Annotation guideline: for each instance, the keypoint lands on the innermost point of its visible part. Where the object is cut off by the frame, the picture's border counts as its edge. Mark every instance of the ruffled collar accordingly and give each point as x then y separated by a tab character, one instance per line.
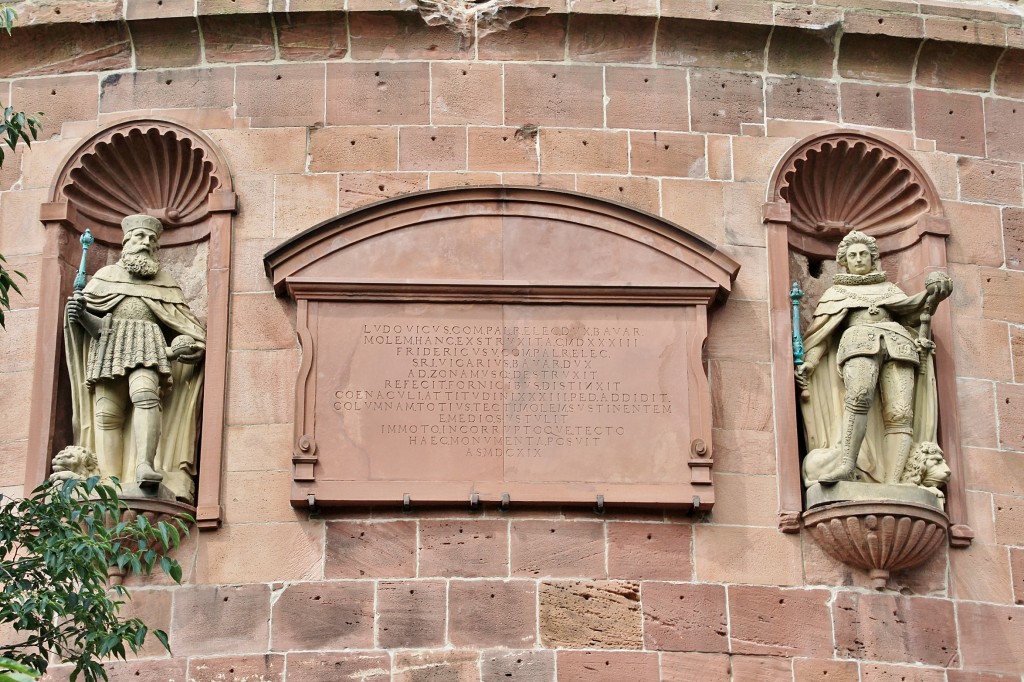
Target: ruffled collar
845	278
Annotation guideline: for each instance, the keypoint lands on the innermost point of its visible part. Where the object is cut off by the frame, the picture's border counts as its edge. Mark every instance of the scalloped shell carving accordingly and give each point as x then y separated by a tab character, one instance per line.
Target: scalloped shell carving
150	171
878	537
841	185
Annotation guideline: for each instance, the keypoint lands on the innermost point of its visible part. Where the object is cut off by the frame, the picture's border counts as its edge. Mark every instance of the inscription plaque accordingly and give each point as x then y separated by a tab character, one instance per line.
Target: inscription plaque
437	389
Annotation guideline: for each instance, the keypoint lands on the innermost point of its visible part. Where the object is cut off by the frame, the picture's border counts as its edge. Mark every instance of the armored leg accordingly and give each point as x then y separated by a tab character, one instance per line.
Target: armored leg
144	390
860	376
109	398
897	388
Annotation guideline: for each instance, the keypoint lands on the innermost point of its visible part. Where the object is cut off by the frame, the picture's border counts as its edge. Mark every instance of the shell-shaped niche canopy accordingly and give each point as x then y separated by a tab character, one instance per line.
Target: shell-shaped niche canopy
149	168
846	184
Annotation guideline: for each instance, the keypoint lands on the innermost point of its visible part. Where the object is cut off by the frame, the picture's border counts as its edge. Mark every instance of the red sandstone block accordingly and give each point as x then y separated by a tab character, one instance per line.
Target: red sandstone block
354	148
1009	78
747	555
263	667
608	38
970	676
58	99
981	572
440	179
330	615
64	48
201	88
685	667
741	11
411	613
432	148
486	613
230	6
684	42
259	91
1013	237
1010	400
465	549
684	617
990	181
650	551
214	620
238	38
311	36
403	35
263	447
982	349
606	7
877	58
169	670
821	670
864	624
607	666
302	201
250	251
583	614
1017	568
667	154
552	180
502	149
257	390
955	121
571	96
533	39
874	672
638	192
359	189
773	622
959	30
583	151
1001	290
804	99
795	51
733	382
695	205
993	471
158	9
447	665
163	43
562	549
1004	119
977	238
466	93
371	550
897	25
876	105
378	94
976	401
956	65
501	664
813	18
332	666
761	668
721	101
991	637
645	99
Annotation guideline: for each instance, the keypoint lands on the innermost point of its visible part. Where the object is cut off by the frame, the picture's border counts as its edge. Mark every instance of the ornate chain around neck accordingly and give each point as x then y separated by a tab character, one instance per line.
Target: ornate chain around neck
853	280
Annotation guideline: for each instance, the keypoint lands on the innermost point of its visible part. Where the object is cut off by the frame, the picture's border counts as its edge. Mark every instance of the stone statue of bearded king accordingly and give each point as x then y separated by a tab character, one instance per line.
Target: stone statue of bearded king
868	373
134	351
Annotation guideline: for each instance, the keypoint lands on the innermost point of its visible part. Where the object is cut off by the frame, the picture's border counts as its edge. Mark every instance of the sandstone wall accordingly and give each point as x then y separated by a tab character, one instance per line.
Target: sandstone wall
681	108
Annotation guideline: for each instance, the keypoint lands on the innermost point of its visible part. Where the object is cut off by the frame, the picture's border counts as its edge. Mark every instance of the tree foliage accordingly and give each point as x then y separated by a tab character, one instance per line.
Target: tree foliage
55	550
15	126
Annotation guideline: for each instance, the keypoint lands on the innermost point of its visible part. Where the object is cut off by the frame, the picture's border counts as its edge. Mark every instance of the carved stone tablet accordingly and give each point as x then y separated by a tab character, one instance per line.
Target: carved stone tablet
577	379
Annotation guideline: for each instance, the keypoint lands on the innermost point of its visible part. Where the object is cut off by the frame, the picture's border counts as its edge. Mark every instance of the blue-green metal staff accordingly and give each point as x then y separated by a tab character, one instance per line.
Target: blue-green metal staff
87	240
796	294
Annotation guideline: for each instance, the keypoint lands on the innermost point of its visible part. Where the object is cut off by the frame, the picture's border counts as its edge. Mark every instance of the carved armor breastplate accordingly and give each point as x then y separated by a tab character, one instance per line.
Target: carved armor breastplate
869	339
132	308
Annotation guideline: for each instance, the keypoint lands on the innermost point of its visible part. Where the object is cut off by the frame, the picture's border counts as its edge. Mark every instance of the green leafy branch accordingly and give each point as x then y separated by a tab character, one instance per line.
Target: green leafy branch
56	547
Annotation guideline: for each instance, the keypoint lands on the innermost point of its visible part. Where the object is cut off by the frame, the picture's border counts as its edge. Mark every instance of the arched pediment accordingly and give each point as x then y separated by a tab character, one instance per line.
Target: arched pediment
511	235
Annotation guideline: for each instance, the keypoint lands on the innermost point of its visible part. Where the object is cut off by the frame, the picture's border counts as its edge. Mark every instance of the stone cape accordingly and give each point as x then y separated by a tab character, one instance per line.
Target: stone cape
822	411
182	392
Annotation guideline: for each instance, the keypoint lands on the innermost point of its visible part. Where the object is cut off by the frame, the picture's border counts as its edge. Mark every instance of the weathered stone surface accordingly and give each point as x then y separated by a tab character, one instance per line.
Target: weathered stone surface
865	625
572	549
981	573
248	553
371	550
412	613
329	615
721	101
486	613
799	52
221	620
684	617
331	666
65	48
602	614
650	551
463	548
771	622
646	98
820	670
309	36
1009	519
683	667
733	554
423	666
607	666
991	637
738	47
499	665
1001	290
265	667
618	39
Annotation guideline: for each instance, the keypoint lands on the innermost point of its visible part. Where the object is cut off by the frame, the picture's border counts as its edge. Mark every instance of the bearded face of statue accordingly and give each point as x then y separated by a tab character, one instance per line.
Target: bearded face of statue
138	255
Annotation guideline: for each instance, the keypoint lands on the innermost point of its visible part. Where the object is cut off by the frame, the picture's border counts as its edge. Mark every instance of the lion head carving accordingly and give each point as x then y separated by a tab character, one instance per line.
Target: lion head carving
926	467
74	461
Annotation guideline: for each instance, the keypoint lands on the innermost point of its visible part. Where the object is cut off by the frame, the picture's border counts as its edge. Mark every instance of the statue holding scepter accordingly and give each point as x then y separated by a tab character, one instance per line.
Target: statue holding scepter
134	350
869	373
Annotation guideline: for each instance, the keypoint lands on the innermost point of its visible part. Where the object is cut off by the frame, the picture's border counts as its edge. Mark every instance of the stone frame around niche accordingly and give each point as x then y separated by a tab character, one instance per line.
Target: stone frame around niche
182	179
315	269
811	205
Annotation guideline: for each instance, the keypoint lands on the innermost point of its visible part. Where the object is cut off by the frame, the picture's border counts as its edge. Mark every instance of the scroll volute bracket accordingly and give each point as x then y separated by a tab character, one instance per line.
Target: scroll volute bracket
304	458
700	462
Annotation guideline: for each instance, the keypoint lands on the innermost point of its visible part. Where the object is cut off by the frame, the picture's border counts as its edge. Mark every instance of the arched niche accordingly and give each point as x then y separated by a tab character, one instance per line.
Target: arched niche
509	272
160	168
826	186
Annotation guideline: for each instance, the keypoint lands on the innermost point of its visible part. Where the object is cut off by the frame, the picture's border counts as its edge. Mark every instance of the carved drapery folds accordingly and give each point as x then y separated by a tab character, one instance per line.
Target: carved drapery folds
827	186
161	169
